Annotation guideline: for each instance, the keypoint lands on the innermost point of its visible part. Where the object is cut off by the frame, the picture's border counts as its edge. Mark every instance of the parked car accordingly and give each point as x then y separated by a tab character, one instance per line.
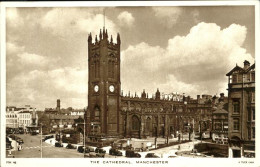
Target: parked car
100	150
57	144
9	131
82	148
91	149
48	137
70	146
132	154
151	155
113	151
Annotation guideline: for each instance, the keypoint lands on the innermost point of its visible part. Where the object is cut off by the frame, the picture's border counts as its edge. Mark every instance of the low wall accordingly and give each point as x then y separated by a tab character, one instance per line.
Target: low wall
220	150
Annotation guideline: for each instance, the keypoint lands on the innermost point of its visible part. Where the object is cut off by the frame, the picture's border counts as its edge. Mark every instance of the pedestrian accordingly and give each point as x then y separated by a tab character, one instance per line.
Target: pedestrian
19	147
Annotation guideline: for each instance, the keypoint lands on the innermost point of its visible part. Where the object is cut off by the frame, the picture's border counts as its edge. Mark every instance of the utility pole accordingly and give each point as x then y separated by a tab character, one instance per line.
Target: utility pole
41	140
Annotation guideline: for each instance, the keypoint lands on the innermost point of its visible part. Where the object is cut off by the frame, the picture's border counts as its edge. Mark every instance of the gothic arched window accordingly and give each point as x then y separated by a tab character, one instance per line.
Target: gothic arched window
98	69
110	68
97	113
135	123
148	124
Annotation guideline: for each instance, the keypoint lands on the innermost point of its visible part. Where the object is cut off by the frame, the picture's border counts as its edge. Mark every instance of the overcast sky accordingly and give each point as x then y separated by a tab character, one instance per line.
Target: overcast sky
176	49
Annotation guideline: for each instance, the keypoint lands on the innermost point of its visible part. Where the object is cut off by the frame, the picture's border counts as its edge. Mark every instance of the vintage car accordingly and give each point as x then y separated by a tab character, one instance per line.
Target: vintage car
82	148
58	144
116	152
100	150
132	154
151	155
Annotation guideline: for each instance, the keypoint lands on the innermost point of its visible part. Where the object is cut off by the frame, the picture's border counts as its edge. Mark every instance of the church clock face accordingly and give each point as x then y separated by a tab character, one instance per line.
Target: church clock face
96	88
111	88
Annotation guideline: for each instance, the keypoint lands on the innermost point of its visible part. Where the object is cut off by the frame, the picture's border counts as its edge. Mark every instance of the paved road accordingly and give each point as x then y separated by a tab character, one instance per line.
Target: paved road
31	149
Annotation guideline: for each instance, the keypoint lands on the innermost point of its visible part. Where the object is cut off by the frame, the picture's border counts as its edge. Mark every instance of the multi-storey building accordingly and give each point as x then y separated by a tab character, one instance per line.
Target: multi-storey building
241	107
110	113
11	117
59	119
220	121
24	119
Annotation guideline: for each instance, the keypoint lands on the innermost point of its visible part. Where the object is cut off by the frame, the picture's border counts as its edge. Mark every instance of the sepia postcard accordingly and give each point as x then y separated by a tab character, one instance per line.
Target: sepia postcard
129	83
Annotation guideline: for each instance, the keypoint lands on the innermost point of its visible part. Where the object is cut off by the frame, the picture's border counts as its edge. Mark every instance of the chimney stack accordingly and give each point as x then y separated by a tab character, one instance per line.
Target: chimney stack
221	97
58	105
246	64
198	97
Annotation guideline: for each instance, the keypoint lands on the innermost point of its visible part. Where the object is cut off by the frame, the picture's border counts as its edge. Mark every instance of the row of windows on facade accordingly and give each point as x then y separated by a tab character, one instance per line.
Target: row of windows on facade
11	121
236	102
251	113
218	125
15	116
148	124
174	109
20	121
97	118
25	122
238	78
236	125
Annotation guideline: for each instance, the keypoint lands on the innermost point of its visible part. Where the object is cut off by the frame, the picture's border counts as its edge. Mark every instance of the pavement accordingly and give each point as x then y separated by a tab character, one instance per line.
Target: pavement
171	150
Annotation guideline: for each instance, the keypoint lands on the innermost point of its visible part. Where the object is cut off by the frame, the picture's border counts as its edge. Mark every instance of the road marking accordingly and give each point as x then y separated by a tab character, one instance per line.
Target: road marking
36	147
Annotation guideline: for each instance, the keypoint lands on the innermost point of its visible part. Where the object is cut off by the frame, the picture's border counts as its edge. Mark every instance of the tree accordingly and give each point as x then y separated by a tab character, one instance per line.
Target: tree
45	122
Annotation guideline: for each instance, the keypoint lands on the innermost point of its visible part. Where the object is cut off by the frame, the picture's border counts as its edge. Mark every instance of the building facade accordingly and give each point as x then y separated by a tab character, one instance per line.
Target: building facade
20	117
220	121
25	119
11	117
112	114
59	119
241	107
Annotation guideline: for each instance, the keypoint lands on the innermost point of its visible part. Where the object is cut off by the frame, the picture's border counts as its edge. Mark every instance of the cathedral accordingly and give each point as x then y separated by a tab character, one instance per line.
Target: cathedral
110	113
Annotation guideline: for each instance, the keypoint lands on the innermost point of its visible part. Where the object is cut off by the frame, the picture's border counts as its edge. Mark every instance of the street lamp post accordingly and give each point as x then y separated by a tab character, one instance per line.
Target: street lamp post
200	132
84	138
92	124
181	129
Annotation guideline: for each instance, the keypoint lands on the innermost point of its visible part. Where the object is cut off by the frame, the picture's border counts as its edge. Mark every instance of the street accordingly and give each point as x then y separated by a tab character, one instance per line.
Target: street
32	149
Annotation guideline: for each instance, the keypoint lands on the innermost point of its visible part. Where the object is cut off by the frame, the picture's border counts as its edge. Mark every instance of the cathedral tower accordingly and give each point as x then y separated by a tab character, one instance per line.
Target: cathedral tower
104	85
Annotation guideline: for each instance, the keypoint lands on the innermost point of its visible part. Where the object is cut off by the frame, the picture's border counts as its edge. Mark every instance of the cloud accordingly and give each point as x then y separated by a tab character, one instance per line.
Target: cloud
41	88
168	15
193	64
126	19
13	18
67	22
28	58
12	48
